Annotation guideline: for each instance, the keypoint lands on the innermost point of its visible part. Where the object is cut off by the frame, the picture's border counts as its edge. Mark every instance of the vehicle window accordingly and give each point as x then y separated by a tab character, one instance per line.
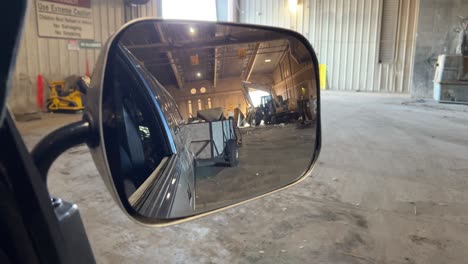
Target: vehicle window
168	105
142	143
177	113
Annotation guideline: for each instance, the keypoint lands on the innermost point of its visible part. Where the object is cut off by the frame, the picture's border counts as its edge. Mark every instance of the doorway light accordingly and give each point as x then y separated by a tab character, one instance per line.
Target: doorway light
256	96
292	5
192	10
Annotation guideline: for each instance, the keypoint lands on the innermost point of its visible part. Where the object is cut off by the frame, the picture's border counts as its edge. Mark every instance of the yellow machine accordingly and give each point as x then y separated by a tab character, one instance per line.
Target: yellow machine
64	97
273	109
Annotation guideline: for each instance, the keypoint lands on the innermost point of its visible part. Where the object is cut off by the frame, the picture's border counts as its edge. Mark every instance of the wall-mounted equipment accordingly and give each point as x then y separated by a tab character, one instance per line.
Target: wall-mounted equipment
451	79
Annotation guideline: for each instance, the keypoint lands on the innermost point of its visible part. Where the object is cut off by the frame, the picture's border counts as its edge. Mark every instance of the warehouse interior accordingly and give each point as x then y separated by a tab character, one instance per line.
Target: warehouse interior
389	185
213	76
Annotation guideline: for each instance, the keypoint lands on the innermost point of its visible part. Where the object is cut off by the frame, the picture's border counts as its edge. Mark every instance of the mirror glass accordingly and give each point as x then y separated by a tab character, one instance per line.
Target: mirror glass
198	116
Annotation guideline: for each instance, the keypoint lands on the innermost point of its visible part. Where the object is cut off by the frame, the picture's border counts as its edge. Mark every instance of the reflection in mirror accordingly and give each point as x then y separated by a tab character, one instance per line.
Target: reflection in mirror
207	115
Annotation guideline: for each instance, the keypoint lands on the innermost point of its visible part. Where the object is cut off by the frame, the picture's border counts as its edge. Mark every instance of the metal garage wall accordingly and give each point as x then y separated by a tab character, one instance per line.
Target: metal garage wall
50	56
345	34
396	76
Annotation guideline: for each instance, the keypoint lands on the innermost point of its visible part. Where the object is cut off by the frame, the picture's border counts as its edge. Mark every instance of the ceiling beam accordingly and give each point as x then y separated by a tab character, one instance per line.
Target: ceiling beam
177	74
215	74
220	41
250	64
220	59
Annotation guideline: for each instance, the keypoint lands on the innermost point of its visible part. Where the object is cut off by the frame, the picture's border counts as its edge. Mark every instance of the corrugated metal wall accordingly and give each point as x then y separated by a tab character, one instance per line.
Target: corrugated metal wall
345	35
51	57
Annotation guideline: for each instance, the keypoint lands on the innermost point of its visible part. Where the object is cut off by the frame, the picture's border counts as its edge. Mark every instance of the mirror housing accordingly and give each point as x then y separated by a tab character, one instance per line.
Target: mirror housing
154	162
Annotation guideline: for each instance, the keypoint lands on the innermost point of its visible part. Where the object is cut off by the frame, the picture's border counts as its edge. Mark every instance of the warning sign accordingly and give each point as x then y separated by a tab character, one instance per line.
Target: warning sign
73	45
72	19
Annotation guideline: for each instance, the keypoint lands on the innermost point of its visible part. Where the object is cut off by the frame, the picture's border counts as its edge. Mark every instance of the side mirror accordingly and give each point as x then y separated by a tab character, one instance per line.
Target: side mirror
154	74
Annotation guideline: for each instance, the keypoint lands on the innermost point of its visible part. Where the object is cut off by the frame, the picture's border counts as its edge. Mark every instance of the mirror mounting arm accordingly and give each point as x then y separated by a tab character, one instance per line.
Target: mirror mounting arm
57	142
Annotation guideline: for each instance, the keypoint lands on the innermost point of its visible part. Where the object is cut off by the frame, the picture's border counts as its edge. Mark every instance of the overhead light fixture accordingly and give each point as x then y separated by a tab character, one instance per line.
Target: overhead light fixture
192	30
198	74
268	60
292	6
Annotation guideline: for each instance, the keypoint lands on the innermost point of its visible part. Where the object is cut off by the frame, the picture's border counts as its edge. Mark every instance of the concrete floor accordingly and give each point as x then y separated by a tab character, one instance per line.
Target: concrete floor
390	187
262	167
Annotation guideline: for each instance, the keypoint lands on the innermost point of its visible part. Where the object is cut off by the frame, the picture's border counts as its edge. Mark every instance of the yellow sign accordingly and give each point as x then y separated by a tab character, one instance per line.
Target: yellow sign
194	59
241	53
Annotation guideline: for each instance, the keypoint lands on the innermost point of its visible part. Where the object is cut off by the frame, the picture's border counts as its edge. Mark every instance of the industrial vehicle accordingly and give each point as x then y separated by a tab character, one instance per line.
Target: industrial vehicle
272	109
135	135
67	95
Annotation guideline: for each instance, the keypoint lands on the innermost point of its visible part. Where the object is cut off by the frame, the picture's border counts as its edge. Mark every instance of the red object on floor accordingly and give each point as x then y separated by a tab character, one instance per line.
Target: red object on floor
40	91
87	69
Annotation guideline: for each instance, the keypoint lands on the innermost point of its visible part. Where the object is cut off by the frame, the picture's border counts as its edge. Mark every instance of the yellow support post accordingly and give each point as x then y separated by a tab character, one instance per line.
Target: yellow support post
323	76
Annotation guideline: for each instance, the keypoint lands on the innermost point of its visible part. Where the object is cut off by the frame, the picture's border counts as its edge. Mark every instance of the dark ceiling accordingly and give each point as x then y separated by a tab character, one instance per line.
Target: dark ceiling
177	53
